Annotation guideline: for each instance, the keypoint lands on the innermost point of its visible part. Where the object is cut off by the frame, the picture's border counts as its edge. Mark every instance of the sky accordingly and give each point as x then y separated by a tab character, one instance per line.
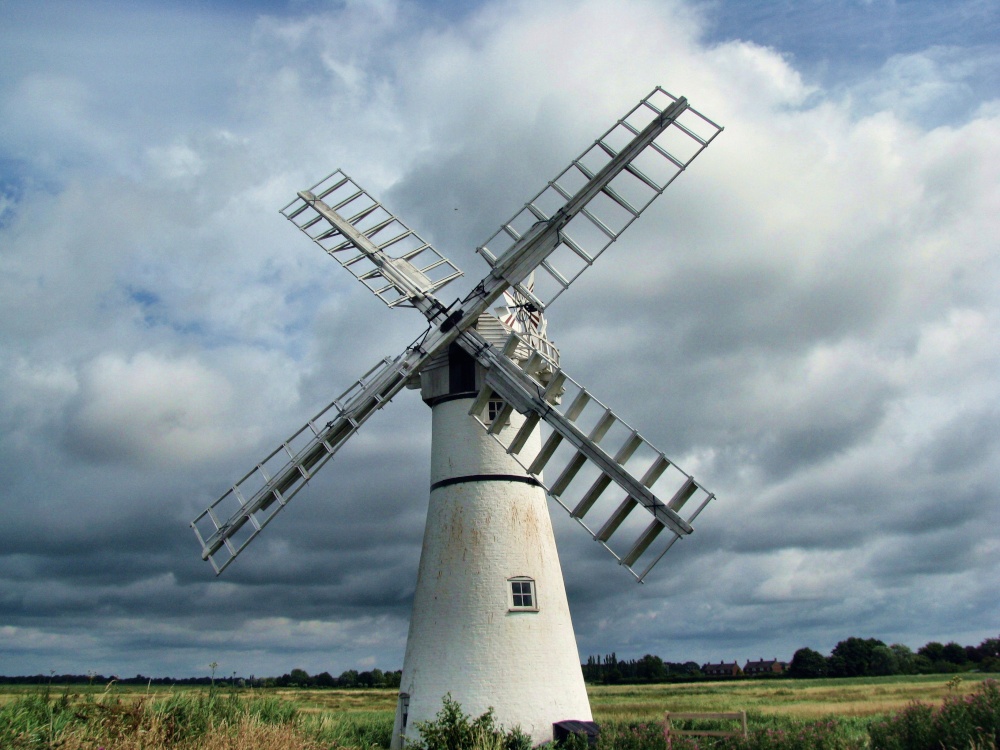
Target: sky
807	317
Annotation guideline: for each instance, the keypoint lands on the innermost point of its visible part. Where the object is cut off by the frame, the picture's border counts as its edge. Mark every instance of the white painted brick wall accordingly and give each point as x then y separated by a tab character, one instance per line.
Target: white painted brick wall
463	639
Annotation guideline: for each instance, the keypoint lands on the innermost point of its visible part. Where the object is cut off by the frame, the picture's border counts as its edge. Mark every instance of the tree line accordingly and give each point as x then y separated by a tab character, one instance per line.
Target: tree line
852	657
870	657
609	670
351	678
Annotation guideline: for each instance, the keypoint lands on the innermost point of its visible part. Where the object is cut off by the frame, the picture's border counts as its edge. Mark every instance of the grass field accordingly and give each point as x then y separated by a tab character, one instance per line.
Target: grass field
804	699
363	718
800	699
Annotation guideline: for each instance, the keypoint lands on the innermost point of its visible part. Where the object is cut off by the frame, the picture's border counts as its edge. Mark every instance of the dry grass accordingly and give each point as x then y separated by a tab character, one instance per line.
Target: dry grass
340	701
247	735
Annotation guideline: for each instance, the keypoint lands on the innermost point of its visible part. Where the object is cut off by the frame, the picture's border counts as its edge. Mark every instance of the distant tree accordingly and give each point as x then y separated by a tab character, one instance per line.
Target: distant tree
923	665
651	668
932	650
988	655
905	658
392	679
954	653
883	661
324	679
348	678
989	648
853	657
807	663
942	658
300	677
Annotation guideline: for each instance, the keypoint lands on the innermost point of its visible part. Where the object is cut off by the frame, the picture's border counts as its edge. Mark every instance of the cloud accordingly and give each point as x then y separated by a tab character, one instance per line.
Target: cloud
805	318
148	409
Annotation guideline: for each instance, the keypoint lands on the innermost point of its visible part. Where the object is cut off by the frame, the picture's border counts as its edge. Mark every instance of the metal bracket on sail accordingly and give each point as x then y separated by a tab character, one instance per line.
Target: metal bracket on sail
585	449
380	250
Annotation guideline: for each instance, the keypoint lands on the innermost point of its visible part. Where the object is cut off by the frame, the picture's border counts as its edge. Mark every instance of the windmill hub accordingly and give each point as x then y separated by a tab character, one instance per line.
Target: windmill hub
490	623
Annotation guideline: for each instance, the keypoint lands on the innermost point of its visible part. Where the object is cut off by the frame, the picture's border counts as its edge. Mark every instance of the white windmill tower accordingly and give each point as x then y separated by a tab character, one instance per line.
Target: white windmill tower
490	622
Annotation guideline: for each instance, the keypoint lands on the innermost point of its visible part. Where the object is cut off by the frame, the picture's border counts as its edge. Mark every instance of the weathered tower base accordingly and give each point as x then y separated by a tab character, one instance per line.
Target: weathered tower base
490	623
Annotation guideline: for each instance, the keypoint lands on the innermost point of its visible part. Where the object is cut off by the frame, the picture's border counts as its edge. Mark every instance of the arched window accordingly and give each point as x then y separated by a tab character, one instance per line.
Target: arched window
523	596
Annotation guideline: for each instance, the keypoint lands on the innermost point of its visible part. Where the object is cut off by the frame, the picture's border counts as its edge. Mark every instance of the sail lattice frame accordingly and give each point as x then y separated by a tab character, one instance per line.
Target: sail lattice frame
387	234
609	213
587	457
229	524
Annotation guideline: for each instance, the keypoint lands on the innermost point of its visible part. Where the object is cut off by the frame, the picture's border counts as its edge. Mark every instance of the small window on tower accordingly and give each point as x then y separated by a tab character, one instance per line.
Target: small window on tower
493	409
522	594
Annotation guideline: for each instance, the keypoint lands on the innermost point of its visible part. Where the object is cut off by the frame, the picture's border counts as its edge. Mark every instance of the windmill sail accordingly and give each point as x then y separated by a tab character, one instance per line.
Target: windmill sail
589	456
229	524
600	194
380	250
534	257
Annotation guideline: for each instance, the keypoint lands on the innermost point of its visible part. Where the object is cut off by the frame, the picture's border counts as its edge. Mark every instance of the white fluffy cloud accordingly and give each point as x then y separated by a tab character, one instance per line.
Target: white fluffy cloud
806	316
150	410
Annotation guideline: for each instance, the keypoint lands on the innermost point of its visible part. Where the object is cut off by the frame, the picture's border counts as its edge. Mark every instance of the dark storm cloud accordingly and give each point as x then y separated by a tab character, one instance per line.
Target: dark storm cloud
805	320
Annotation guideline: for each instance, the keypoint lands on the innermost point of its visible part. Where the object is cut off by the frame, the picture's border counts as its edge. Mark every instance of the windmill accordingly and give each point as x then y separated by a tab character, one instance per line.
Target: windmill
490	621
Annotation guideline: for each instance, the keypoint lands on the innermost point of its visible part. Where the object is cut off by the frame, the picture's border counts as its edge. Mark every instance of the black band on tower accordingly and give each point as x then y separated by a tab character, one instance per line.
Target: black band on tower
451	397
486	478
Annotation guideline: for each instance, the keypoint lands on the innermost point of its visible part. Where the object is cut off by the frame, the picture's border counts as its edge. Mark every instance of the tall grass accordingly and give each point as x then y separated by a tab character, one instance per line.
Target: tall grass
34	720
361	729
181	720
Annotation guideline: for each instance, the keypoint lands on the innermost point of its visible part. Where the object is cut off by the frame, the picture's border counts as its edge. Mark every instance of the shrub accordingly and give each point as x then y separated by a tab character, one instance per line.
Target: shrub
910	728
818	735
782	735
453	730
960	723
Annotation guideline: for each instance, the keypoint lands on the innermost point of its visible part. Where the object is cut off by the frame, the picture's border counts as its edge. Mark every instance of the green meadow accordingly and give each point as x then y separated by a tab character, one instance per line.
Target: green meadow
841	711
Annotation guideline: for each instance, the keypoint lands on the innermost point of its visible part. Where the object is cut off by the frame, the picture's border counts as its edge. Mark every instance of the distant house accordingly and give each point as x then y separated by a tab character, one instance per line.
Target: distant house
772	666
722	669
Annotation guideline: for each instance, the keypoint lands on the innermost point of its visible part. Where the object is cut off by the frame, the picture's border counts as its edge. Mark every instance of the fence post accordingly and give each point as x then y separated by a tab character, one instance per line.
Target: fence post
668	729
